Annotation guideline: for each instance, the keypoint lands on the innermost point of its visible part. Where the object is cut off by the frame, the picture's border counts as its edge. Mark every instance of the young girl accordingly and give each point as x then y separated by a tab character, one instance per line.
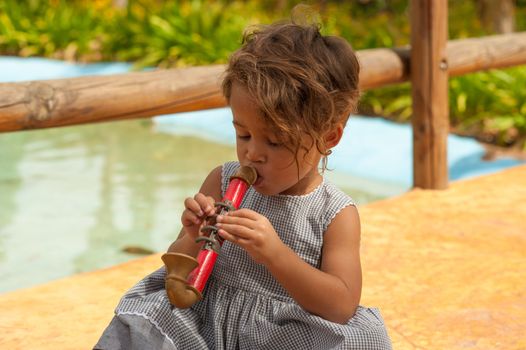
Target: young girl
288	275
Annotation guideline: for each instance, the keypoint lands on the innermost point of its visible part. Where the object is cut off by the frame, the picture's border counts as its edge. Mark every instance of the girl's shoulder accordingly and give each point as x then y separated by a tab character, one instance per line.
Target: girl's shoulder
334	200
228	169
330	190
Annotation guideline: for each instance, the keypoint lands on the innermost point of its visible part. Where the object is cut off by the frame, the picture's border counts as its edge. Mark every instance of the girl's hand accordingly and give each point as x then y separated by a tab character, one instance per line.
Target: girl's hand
195	213
252	232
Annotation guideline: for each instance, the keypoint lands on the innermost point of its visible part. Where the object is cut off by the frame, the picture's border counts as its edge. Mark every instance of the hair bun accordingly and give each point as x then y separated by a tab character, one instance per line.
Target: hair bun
305	15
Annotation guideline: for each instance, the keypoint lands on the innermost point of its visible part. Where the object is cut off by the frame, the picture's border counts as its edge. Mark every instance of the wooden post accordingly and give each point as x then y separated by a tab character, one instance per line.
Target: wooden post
429	86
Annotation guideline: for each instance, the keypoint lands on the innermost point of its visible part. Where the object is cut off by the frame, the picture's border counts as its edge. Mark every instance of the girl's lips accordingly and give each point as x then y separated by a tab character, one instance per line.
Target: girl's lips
258	181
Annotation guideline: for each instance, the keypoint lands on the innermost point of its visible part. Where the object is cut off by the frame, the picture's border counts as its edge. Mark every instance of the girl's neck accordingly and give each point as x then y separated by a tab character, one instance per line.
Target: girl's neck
305	186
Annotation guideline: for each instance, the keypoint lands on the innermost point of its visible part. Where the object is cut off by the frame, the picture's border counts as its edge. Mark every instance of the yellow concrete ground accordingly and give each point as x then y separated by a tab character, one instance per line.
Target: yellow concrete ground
446	268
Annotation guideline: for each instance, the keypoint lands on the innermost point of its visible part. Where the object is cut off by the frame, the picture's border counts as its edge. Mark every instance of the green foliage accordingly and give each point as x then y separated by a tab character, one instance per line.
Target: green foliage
394	101
149	33
177	33
490	105
38	28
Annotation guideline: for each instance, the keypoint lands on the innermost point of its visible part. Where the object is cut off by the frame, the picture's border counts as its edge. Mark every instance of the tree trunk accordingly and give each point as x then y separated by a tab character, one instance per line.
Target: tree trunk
497	15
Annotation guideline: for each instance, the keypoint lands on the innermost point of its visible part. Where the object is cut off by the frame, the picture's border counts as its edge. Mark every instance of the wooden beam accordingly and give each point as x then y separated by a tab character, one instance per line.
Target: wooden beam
380	67
491	52
42	104
429	89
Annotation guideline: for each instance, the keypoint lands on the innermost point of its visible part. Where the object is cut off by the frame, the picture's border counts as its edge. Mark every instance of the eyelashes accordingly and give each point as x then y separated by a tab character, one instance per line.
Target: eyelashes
269	142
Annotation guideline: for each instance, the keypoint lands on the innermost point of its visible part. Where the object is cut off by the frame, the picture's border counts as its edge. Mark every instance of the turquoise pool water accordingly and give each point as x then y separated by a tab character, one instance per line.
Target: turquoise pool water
75	199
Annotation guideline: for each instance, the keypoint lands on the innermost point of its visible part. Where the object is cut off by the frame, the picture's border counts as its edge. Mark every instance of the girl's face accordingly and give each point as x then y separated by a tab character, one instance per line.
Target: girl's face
258	147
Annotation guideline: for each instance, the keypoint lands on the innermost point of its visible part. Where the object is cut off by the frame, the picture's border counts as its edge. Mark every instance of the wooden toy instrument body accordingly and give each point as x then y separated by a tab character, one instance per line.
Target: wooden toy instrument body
186	276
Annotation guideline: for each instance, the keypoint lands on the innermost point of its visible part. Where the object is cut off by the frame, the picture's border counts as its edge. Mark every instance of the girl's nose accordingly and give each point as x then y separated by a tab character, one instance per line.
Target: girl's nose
255	154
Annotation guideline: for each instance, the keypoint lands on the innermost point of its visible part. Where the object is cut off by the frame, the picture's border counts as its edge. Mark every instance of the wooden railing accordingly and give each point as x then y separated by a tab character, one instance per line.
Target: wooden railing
52	103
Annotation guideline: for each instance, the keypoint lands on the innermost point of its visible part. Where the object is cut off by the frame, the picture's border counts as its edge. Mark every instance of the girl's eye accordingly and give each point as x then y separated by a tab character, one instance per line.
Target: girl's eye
274	144
243	137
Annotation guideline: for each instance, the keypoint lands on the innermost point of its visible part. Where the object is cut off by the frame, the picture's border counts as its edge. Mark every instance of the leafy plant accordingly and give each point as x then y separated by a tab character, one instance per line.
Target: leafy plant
492	105
178	33
40	28
488	105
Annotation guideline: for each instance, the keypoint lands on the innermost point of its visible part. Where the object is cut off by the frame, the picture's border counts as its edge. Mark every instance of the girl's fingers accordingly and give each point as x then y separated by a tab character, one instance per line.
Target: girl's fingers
244	213
189	218
229	219
204	204
233	238
211	202
193	206
235	230
200	205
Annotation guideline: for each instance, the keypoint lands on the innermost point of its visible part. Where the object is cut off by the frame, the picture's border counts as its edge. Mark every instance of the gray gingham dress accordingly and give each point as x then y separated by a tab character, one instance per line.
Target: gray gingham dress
243	306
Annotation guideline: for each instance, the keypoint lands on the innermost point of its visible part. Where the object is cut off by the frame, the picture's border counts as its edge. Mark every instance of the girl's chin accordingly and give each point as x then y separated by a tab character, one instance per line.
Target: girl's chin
260	187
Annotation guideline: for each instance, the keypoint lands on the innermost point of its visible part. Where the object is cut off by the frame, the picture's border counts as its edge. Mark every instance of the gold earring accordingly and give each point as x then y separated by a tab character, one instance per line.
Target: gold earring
328	153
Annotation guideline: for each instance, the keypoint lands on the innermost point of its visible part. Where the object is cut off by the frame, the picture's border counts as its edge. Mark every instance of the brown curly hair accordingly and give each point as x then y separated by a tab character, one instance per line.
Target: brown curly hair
304	83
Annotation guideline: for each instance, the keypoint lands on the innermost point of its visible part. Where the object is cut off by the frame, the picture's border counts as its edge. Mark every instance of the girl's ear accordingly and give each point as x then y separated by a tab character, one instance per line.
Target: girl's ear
333	136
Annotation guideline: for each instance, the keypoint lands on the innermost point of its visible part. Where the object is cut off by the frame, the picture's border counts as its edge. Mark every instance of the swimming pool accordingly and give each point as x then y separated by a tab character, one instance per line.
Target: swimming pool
79	198
74	199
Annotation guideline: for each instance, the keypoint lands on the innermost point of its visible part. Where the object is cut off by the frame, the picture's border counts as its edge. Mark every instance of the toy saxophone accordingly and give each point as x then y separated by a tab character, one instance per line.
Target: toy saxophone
186	277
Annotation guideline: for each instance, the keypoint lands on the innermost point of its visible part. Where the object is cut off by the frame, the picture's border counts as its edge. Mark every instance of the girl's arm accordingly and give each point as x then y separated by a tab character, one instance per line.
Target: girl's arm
334	291
191	219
